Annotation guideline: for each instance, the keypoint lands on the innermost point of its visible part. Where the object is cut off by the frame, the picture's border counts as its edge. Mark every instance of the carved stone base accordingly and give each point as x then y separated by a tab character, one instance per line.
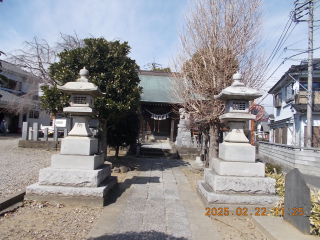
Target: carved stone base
238	199
239	185
74	177
87	196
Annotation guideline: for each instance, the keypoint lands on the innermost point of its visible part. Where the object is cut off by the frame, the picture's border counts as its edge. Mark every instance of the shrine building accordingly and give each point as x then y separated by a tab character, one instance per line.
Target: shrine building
158	118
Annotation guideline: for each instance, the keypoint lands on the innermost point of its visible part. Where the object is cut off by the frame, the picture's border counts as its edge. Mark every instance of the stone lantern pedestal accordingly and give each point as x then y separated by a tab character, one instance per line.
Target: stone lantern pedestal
78	174
235	179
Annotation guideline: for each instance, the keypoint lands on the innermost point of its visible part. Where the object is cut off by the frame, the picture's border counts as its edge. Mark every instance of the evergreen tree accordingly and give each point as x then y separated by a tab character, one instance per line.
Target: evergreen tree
124	133
111	70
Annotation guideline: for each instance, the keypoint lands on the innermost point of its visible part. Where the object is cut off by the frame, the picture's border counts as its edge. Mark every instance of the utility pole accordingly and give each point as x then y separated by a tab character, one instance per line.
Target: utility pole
298	14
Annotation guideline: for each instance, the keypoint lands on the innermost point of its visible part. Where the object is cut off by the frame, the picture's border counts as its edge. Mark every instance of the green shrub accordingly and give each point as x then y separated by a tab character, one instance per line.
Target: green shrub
315	213
280	190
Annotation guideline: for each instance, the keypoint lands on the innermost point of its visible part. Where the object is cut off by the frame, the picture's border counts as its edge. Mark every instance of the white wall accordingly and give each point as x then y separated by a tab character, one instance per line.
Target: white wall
44	118
286	110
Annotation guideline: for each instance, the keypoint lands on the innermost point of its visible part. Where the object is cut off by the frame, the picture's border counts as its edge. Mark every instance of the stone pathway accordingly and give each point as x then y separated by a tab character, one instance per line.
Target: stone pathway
156	203
160	145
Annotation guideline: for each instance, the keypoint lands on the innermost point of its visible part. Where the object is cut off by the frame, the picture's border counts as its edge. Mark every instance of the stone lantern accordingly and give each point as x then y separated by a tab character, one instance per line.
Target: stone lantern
78	174
237	98
81	109
235	177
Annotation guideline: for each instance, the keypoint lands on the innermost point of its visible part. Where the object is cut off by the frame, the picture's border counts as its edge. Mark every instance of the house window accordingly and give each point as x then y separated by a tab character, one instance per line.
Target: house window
278	100
30	114
12	84
239	106
289	92
315	86
34	114
80	100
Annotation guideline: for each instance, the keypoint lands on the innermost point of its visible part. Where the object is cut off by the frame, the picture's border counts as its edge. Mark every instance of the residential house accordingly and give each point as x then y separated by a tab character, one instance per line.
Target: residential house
290	106
12	92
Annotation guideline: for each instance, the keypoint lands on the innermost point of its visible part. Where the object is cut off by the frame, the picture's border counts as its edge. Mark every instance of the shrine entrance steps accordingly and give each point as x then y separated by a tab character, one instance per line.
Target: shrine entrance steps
156	148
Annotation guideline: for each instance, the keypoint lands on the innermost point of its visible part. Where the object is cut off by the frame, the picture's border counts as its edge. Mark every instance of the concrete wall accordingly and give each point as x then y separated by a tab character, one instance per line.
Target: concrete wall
307	160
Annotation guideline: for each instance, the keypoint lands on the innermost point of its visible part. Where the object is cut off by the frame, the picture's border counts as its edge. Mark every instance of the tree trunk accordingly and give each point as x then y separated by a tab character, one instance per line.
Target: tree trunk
103	138
117	152
214	143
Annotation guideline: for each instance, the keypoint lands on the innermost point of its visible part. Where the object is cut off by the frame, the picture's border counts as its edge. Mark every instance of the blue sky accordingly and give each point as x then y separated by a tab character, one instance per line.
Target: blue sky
149	26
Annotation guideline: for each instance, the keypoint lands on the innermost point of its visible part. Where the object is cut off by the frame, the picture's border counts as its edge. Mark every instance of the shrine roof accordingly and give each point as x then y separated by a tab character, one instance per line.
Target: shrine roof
156	87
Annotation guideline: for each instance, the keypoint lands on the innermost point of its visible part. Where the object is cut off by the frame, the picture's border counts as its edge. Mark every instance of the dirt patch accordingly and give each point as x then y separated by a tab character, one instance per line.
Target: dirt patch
193	176
41	220
228	227
128	161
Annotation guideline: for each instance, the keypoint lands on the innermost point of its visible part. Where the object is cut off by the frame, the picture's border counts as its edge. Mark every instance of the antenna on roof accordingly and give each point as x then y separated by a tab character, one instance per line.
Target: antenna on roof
152	66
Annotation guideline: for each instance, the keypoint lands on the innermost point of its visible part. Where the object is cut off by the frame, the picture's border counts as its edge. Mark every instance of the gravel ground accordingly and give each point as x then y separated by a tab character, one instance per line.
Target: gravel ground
20	166
38	220
41	220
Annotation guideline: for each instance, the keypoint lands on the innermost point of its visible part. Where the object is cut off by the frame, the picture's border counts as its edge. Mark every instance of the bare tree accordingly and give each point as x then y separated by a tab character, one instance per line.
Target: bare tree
35	57
219	38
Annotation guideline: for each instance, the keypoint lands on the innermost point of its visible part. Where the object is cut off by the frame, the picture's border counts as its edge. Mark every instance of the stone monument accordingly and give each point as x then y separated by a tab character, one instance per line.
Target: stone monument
235	178
184	134
297	201
78	174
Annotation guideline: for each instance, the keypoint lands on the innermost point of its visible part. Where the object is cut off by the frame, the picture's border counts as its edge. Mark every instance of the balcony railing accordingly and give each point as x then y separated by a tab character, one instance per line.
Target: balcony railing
302	97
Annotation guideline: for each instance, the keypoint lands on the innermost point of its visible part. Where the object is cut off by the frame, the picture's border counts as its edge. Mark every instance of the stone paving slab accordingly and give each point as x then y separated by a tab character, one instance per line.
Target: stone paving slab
156	145
155	203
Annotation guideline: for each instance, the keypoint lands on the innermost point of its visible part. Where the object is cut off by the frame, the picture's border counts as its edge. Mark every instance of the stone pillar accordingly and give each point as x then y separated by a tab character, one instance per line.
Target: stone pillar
55	134
45	134
179	137
35	131
25	131
143	137
30	133
172	130
65	132
188	139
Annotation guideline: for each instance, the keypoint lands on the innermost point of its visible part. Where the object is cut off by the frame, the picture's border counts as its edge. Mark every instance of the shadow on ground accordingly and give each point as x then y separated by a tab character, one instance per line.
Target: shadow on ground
148	235
143	165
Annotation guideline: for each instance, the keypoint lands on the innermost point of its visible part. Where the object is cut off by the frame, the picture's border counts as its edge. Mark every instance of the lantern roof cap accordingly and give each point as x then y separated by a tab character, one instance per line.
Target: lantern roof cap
81	86
84	74
238	91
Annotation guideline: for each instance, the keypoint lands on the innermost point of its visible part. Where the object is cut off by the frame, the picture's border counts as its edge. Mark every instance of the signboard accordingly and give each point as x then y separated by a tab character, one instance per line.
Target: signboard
61	122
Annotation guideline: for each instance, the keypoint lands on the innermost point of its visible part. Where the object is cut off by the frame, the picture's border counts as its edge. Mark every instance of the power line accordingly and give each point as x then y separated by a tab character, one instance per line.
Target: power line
276	46
284	42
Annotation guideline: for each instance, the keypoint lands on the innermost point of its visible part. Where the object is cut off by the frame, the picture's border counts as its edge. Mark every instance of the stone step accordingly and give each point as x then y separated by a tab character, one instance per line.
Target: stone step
239	184
235	199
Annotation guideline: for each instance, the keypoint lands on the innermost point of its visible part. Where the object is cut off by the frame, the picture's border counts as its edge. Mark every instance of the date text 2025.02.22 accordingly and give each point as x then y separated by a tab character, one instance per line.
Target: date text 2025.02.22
258	211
